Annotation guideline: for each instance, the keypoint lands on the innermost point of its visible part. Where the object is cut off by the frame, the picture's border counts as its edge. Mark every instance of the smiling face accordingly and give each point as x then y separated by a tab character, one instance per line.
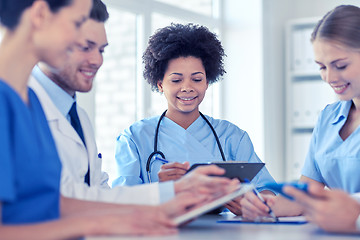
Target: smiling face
184	86
339	67
84	62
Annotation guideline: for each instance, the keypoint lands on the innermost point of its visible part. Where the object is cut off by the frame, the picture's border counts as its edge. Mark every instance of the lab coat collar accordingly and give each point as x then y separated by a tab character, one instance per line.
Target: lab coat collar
53	115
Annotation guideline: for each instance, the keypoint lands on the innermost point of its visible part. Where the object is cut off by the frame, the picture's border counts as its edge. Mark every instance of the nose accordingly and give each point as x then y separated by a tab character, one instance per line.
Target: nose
187	86
330	76
95	58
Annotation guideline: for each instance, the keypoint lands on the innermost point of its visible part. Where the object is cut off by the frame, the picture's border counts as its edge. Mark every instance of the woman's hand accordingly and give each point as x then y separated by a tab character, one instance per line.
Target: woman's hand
234	206
172	171
253	208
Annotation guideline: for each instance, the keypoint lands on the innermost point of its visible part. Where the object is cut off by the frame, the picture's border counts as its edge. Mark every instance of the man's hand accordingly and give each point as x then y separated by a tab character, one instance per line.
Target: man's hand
203	180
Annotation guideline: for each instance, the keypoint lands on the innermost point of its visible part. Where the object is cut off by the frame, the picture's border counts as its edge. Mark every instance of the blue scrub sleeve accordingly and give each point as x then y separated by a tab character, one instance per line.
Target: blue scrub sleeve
128	162
310	168
7	185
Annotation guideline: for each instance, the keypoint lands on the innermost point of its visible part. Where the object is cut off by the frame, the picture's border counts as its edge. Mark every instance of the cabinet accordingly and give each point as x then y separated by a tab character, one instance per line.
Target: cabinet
306	94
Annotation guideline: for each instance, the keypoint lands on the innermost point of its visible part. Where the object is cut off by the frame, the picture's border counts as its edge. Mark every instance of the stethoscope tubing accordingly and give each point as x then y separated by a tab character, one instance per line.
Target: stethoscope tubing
156	137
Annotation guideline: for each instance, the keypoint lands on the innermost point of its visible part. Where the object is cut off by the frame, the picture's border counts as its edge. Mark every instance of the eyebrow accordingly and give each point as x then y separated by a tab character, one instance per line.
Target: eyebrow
180	74
92	43
340	59
197	73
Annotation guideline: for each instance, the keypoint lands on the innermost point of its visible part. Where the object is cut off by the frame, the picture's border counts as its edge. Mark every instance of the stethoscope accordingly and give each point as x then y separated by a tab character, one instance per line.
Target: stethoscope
155	152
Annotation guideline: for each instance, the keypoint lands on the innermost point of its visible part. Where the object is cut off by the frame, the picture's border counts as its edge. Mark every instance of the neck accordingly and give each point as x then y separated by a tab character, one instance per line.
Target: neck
183	119
356	104
16	61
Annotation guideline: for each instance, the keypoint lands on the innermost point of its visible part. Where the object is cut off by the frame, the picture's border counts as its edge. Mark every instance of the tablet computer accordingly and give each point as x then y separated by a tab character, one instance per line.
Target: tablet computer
208	206
236	169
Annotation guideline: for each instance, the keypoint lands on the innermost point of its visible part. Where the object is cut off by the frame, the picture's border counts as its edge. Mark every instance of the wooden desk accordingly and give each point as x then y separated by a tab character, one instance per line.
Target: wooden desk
207	228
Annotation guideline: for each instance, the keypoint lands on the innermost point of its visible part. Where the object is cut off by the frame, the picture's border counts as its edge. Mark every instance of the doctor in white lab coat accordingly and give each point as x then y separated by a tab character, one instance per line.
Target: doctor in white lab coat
76	158
56	91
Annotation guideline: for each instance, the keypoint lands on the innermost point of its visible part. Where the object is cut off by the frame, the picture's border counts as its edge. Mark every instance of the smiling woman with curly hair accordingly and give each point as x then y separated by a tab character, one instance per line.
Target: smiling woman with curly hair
180	62
179	40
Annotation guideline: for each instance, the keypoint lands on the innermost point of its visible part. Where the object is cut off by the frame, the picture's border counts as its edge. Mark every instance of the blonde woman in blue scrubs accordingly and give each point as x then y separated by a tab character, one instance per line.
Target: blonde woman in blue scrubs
333	159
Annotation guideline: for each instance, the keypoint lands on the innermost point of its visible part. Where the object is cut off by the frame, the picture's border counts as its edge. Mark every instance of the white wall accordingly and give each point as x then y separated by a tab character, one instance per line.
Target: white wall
243	85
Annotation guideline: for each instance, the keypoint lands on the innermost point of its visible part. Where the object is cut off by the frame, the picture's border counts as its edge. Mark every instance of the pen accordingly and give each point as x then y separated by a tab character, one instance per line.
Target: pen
256	192
161	159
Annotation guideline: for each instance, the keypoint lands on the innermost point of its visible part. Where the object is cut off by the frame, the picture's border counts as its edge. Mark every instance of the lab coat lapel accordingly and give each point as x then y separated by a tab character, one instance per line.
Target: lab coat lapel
53	115
87	129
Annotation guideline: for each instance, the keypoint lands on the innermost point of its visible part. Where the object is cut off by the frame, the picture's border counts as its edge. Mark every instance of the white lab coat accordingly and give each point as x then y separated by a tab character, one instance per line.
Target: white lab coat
75	158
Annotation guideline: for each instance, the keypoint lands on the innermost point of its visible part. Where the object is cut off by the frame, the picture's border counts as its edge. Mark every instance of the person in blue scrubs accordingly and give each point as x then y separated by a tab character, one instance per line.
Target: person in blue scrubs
30	204
30	167
333	159
180	62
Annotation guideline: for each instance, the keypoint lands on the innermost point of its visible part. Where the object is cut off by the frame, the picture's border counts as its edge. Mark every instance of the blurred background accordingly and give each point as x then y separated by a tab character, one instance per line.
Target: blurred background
272	88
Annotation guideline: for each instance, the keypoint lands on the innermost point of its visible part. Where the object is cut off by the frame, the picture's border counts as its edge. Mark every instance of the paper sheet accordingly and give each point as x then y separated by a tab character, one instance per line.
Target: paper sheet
267	220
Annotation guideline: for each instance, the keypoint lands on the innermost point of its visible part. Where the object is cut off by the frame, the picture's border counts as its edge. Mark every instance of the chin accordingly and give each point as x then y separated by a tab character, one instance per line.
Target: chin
188	111
85	89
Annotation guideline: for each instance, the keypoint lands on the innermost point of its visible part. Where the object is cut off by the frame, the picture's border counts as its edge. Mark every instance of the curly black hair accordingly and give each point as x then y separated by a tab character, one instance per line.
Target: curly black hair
178	40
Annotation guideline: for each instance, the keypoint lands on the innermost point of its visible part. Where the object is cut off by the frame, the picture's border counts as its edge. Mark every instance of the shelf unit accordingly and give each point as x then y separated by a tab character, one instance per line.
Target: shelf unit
306	94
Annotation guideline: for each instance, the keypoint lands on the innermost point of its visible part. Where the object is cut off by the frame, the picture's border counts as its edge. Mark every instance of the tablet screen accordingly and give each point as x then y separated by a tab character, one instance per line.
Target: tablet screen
236	169
208	206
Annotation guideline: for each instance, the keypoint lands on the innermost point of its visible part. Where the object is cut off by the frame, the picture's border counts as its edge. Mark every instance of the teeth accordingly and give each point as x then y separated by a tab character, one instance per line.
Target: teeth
186	99
339	88
88	73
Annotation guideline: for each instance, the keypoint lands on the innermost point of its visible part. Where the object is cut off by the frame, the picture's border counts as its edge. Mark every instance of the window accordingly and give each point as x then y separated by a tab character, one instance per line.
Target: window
122	95
204	7
115	98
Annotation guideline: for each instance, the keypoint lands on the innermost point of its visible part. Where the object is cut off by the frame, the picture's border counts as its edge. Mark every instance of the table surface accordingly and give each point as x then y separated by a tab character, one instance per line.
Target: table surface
207	227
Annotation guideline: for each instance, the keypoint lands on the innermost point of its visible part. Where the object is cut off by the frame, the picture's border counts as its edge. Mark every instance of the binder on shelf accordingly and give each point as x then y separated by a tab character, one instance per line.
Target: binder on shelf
306	93
308	99
310	65
297	50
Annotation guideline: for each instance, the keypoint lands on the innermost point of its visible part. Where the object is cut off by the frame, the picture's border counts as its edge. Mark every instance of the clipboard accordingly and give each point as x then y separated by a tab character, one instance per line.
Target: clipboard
297	220
235	169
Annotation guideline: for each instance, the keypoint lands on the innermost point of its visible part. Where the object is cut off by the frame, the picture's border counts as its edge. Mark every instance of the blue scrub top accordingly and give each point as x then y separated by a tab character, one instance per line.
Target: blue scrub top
29	164
330	159
196	144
